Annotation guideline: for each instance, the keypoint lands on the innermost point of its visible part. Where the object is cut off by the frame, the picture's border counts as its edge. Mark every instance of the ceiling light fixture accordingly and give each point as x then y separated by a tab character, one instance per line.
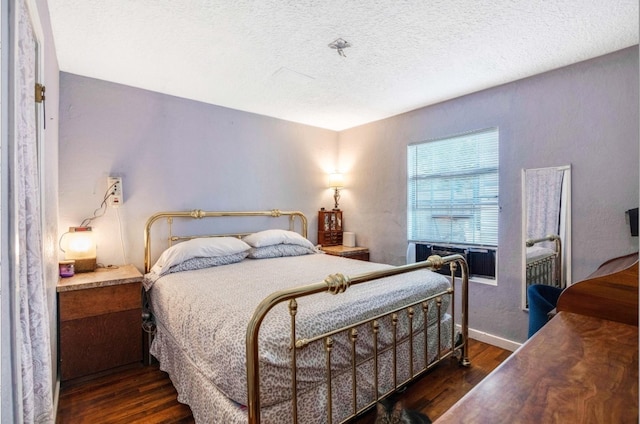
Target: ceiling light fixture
340	44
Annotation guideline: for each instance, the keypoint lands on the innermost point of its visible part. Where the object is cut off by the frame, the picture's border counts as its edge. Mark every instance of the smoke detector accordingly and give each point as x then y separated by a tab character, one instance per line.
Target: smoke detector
340	44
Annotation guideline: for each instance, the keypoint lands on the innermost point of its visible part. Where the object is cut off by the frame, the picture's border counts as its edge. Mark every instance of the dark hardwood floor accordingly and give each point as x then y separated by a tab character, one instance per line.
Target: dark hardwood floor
146	395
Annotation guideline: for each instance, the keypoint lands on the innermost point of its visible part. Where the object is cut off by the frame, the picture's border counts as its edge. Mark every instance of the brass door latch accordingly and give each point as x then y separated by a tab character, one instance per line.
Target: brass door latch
40	90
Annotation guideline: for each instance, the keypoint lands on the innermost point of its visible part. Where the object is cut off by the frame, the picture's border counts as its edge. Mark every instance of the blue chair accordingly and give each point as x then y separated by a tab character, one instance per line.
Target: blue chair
542	300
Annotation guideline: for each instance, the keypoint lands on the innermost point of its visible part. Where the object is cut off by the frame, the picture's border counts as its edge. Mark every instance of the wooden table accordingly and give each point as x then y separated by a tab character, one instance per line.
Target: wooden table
576	369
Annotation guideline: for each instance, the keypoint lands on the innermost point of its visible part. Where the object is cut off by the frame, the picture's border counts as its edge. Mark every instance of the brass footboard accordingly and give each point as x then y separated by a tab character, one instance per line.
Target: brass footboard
336	284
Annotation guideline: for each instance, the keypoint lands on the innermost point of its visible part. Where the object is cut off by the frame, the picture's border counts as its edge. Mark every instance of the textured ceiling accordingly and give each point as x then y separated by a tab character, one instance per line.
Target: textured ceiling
271	57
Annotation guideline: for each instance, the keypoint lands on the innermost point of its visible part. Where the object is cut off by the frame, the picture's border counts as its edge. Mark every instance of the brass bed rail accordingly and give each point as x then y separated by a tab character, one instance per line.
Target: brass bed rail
336	284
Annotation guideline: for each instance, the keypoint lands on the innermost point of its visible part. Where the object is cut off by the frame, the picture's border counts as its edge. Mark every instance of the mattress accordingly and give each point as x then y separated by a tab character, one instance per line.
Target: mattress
202	318
536	253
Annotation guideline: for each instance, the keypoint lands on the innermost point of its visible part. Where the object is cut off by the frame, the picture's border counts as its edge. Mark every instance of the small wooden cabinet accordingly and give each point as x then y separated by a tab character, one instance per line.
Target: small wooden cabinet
330	225
100	321
360	253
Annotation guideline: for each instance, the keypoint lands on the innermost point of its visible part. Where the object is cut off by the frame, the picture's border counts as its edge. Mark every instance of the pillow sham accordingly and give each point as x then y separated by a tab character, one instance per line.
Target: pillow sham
208	262
273	237
192	264
206	247
280	250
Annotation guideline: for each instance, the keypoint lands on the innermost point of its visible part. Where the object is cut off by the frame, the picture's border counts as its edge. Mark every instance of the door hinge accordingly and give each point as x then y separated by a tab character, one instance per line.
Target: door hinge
40	90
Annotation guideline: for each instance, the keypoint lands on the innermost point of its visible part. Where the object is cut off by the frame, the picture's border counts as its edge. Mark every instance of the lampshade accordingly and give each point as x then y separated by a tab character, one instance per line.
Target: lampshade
81	246
336	180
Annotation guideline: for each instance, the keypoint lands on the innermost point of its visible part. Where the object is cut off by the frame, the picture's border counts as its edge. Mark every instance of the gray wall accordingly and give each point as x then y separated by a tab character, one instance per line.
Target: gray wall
177	154
585	115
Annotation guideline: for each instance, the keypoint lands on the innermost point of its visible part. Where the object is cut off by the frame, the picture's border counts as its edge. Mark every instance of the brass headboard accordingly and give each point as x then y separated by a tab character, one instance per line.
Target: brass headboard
199	214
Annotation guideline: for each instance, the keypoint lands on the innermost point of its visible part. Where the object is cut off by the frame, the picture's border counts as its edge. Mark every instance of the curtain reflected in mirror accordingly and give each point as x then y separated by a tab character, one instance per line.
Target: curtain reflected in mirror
546	220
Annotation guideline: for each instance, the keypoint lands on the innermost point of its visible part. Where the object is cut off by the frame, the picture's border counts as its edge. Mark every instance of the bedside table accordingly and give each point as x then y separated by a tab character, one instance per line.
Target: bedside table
360	253
99	321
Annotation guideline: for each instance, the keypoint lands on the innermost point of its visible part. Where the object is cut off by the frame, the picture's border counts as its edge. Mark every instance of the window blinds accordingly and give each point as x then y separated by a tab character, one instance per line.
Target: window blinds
453	189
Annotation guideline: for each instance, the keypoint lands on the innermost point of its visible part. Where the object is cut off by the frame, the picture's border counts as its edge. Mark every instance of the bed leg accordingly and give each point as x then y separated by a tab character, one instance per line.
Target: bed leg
461	351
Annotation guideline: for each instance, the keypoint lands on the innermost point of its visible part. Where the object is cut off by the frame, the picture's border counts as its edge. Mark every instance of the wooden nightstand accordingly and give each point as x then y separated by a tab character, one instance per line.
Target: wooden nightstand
360	253
100	321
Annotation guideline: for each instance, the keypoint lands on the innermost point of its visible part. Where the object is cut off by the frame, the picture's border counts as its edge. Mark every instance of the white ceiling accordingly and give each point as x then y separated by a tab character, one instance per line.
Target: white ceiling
271	57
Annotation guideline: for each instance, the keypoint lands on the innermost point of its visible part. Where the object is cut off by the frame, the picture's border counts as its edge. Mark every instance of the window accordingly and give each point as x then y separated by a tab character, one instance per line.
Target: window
452	193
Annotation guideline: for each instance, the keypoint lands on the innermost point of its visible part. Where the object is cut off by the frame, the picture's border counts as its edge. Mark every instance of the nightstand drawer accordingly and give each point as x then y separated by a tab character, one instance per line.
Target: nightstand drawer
360	253
361	256
98	301
99	343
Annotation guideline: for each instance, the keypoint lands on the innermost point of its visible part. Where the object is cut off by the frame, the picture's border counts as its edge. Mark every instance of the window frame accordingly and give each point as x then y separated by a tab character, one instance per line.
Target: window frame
464	178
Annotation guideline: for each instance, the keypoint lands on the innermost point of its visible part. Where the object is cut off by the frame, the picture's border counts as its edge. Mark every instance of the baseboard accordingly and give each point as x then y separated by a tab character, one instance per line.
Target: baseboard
493	340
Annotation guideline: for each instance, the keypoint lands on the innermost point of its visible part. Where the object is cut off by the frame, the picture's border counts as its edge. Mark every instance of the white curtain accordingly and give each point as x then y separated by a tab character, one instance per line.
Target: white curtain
33	332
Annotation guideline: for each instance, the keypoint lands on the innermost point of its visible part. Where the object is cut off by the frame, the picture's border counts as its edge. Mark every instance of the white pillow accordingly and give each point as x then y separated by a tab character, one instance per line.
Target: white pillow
205	247
271	237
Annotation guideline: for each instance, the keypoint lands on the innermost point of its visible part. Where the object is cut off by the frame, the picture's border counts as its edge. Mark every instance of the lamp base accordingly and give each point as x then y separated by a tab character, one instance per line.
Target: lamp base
85	265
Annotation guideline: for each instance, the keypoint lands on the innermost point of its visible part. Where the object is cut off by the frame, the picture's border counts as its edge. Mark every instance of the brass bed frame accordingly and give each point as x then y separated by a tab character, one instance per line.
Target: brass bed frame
546	270
336	284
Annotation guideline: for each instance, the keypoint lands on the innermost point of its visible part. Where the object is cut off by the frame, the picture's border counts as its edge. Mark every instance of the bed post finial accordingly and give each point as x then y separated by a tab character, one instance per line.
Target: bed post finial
436	262
337	283
198	213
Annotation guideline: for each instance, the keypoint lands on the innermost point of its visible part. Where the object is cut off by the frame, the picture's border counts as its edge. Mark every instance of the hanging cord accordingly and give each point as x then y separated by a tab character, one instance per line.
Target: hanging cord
124	255
60	241
102	209
99	212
